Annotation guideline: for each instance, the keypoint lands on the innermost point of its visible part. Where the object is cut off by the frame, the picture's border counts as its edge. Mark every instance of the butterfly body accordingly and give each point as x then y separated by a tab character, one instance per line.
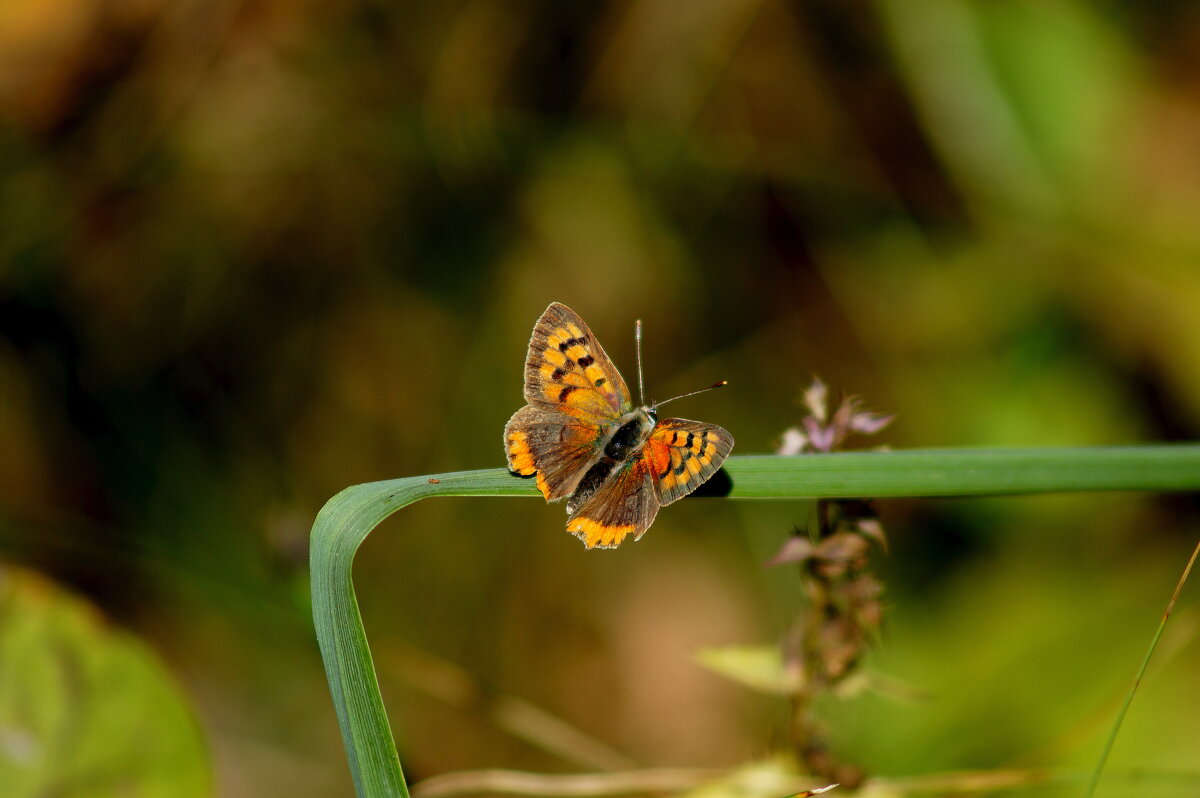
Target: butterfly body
628	437
585	441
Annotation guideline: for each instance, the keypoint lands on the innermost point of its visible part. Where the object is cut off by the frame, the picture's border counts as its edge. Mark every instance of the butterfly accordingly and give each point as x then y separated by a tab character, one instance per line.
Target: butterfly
582	437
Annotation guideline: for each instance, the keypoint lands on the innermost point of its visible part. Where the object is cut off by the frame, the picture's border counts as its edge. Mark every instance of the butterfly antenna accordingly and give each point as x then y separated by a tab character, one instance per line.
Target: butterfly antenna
720	384
637	337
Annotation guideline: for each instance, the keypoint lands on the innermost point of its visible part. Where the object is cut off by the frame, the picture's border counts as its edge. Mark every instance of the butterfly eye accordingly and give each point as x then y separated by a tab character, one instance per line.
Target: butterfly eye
653	415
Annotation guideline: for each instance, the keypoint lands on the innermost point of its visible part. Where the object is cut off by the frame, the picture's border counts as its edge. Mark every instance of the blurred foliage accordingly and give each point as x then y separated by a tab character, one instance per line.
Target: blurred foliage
252	252
85	710
757	667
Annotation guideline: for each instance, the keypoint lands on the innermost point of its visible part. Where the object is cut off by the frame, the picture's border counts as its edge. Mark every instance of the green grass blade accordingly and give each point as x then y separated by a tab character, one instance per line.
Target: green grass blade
349	517
966	472
1137	680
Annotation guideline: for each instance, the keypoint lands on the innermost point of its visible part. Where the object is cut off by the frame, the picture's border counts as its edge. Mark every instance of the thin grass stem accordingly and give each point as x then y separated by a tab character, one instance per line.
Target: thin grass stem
1137	680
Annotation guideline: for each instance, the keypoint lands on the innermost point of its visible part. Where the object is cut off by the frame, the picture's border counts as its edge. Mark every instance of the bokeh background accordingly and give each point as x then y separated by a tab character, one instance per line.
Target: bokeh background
252	252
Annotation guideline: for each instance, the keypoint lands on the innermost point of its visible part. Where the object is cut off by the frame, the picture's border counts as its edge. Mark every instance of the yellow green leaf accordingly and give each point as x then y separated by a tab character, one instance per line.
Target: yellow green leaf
86	710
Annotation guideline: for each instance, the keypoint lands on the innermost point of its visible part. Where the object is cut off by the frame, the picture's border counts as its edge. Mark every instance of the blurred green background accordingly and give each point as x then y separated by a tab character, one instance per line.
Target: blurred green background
253	252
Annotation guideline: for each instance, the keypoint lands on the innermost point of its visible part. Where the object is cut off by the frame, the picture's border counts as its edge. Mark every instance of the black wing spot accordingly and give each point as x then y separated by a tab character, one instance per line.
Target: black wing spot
565	392
600	382
567	344
586	361
679	469
557	375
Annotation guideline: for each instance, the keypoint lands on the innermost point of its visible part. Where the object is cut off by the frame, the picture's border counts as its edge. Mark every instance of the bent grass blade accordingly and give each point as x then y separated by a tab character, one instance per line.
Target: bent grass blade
346	520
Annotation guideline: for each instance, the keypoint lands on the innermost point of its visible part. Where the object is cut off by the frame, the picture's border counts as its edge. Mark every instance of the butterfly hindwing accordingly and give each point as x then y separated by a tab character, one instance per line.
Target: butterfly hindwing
556	446
683	454
624	504
567	368
678	457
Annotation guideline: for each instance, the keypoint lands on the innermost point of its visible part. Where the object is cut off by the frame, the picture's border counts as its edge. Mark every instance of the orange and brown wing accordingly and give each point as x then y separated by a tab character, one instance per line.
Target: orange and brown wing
678	457
683	454
556	446
625	504
567	368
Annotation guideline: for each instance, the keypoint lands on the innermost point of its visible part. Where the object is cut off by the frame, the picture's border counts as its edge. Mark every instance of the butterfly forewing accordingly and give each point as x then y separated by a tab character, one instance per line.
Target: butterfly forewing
683	454
567	368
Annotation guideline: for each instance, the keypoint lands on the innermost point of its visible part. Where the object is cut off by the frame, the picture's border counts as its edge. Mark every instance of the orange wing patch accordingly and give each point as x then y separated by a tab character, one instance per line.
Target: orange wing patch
658	455
596	534
520	459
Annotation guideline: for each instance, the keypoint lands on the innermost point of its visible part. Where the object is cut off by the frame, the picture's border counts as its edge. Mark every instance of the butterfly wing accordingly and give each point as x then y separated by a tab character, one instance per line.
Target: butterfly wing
625	504
678	457
575	395
683	454
557	447
567	368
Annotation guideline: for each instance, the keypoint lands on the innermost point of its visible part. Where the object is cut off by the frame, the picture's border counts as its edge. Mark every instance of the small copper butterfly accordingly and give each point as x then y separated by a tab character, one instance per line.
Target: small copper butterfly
614	463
